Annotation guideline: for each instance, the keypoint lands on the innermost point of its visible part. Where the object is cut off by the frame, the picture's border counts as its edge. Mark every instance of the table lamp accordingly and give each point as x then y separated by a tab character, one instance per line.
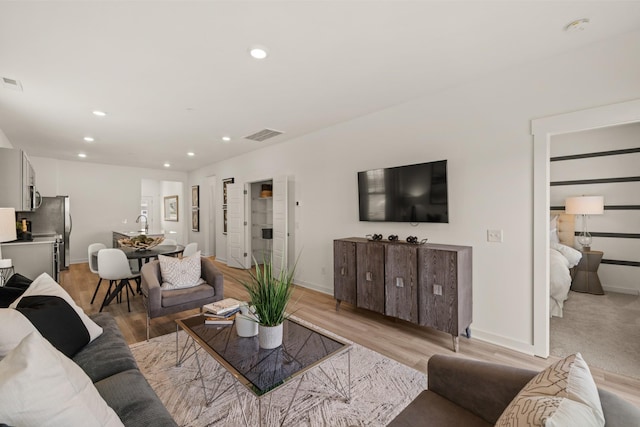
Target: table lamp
585	205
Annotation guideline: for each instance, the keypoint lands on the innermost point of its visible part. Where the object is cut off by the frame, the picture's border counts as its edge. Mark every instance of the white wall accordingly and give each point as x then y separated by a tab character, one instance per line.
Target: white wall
4	141
616	278
102	197
483	129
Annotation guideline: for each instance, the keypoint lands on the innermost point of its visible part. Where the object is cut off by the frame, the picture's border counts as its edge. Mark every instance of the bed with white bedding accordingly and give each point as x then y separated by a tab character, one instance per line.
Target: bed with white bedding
562	258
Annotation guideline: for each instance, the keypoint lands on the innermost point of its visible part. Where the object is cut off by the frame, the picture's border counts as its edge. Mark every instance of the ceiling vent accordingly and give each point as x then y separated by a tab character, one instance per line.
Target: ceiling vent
11	84
264	134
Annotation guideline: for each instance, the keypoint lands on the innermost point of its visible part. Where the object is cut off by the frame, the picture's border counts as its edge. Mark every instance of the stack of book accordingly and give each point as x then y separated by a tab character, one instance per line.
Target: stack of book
221	312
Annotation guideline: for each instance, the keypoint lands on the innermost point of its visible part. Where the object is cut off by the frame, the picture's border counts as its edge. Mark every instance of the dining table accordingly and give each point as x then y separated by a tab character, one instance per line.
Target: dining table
142	256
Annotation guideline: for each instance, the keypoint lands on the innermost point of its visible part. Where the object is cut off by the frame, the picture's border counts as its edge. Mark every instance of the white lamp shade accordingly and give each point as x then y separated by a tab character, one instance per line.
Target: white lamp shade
7	224
585	205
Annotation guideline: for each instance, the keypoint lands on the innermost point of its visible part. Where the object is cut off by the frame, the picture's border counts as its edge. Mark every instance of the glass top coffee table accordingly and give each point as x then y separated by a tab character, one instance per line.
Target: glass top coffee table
260	370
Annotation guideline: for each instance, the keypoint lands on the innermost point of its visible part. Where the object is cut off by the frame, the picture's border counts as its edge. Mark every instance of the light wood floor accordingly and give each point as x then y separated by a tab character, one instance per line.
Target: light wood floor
399	340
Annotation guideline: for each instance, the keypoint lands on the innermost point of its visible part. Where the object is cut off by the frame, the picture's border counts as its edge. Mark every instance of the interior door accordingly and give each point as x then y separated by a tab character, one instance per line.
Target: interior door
280	221
236	254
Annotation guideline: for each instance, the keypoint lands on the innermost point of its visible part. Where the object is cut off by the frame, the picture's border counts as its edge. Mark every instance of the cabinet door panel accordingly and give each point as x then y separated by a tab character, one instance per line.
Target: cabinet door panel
401	293
370	276
344	271
438	295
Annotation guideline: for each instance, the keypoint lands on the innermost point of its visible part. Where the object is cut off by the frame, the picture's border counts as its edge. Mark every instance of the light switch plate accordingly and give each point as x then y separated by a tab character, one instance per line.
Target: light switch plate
494	236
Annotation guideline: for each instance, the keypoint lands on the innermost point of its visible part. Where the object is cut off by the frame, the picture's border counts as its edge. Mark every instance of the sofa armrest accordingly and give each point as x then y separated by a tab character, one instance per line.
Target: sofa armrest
212	275
150	284
485	389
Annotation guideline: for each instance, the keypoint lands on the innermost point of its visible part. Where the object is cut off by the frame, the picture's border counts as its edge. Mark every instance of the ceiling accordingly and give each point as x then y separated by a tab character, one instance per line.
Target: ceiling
175	76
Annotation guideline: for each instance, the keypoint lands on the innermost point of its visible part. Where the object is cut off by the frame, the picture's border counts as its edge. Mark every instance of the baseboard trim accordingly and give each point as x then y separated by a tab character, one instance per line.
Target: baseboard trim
503	341
617	290
313	287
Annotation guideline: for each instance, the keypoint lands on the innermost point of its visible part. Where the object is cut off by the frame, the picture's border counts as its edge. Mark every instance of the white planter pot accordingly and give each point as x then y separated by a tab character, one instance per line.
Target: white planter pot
270	336
245	326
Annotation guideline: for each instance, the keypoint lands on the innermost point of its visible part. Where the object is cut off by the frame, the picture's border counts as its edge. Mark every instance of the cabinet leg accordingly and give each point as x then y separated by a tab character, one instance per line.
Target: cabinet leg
468	331
456	343
338	304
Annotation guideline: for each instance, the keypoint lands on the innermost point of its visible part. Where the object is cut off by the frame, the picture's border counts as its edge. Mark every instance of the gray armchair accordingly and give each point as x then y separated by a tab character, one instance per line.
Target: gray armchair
160	302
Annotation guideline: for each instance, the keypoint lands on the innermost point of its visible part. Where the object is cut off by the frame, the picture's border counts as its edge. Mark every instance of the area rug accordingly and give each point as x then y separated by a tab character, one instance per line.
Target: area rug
380	389
605	329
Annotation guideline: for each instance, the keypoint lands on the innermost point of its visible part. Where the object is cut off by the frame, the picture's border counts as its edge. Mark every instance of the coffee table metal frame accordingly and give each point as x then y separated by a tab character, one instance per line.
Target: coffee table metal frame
190	349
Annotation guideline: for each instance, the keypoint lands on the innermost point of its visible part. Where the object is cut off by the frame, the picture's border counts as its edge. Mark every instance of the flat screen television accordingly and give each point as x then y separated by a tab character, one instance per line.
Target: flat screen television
412	193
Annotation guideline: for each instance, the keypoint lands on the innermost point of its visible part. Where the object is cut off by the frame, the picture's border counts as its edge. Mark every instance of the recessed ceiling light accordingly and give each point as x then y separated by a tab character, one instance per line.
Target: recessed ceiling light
89	139
226	138
99	113
577	25
167	165
258	52
191	154
82	155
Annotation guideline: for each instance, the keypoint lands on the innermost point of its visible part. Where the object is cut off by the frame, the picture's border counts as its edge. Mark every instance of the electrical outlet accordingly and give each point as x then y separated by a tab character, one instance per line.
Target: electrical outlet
494	236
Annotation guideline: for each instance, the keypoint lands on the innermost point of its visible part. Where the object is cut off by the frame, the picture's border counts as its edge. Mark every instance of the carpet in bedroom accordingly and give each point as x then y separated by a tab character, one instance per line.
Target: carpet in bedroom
605	329
380	387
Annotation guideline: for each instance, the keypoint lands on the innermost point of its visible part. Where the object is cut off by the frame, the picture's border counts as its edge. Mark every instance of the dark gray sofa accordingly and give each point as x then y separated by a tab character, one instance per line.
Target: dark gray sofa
470	393
109	363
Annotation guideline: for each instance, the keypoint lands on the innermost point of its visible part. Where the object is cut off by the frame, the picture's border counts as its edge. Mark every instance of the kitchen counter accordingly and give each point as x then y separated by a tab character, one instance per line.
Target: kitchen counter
32	258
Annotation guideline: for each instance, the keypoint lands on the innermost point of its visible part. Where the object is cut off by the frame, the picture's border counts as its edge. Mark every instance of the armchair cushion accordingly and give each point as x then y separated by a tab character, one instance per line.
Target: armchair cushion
185	295
178	273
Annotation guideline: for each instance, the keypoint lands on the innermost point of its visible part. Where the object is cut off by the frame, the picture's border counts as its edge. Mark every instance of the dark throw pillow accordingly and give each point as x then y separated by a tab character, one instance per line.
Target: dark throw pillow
13	289
57	321
17	280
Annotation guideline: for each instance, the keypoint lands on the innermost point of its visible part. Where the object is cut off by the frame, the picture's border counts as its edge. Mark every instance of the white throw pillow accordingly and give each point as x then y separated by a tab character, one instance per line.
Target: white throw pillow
13	328
39	386
45	285
180	273
572	255
562	395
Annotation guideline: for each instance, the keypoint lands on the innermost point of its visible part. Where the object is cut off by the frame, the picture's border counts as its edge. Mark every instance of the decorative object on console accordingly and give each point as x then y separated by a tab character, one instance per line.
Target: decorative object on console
7	234
585	205
375	237
414	240
393	237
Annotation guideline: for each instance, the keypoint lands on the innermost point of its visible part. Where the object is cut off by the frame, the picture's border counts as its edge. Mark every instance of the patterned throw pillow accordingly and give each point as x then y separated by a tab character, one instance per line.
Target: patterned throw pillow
180	273
564	394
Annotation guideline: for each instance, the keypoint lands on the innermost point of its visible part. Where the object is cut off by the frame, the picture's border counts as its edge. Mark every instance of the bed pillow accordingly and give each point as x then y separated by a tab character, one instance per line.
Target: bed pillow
45	285
564	394
180	273
40	386
572	255
553	229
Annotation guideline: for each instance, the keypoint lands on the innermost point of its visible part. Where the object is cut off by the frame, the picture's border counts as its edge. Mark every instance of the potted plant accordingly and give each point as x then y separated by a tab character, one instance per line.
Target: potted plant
269	295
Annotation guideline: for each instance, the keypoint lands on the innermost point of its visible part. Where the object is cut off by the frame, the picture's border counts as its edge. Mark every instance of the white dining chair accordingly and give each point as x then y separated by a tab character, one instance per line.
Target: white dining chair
93	263
190	249
114	266
169	242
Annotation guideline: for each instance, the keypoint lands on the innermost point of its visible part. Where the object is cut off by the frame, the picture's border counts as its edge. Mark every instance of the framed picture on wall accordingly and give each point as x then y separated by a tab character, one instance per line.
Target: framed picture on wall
225	182
171	208
195	196
224	219
195	219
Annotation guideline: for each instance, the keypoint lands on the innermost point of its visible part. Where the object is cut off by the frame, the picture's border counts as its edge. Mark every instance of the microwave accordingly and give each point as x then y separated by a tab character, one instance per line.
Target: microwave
18	181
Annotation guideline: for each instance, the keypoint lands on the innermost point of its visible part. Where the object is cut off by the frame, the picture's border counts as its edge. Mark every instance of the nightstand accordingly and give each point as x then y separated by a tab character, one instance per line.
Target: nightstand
586	278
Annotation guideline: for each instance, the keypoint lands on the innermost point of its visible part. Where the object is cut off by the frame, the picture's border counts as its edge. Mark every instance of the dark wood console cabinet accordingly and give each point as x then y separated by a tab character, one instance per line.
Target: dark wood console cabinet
430	284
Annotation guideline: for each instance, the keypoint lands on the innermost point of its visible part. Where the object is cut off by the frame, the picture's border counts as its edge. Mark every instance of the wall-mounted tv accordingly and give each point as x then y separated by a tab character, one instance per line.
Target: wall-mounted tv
412	193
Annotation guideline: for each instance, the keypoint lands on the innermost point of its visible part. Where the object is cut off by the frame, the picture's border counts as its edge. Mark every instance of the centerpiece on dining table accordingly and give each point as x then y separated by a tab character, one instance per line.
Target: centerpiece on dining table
141	243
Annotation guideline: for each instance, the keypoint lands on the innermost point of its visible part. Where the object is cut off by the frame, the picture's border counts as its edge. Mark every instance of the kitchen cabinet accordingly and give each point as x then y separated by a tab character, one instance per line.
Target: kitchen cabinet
17	181
31	259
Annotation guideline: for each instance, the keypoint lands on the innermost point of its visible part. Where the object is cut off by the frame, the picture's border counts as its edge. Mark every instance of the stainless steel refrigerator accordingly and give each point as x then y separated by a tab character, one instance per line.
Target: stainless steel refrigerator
52	220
